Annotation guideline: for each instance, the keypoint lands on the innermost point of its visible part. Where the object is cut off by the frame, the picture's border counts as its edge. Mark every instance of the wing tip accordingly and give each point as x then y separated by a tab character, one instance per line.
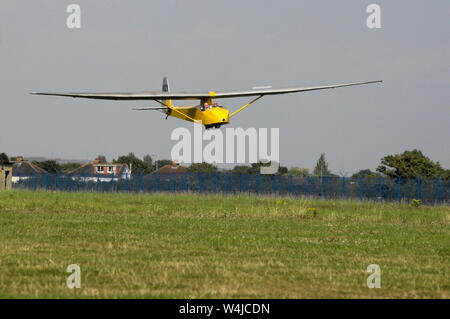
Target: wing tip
40	93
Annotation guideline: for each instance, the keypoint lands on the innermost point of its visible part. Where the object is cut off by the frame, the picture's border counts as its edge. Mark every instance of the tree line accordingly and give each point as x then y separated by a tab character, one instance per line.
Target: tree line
407	165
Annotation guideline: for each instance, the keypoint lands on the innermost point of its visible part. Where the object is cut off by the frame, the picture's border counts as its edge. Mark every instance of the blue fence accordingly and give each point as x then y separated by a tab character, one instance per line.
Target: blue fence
385	189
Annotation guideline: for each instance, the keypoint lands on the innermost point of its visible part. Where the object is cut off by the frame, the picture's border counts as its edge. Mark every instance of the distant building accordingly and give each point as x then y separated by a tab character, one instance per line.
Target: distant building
175	168
167	171
102	172
22	170
5	176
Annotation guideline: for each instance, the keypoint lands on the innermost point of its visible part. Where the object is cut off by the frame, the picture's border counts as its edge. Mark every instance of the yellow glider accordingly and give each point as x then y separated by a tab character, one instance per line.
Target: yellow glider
208	112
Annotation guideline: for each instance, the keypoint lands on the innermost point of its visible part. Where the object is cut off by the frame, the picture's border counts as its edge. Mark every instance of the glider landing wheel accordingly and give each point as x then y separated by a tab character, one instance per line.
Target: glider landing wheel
212	126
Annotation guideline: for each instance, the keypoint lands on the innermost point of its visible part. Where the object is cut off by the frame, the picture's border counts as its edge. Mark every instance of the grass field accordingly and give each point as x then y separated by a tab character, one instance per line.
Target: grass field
191	246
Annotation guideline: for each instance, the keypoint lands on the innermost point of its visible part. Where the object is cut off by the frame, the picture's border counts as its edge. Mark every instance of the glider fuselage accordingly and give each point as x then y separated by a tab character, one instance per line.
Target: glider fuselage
211	117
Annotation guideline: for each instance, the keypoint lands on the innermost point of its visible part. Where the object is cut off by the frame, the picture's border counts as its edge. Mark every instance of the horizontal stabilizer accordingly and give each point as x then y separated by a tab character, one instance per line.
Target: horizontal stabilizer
149	108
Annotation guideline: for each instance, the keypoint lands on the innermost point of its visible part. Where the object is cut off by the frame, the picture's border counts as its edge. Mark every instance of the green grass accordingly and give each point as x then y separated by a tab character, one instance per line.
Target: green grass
191	246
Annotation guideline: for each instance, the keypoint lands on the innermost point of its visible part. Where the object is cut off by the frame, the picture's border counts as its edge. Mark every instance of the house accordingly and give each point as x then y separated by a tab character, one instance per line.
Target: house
166	172
175	168
102	172
5	176
23	170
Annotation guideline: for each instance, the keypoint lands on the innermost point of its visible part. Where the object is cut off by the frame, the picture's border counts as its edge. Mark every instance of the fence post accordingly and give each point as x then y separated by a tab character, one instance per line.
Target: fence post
203	181
438	191
379	186
185	181
155	178
241	182
309	187
362	190
226	178
84	183
325	186
97	183
258	183
291	185
172	182
112	182
274	183
45	181
399	194
418	188
216	182
343	193
56	180
71	183
141	182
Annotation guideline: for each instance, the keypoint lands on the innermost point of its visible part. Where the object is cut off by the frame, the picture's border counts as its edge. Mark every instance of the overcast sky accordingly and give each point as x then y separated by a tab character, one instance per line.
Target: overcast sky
206	45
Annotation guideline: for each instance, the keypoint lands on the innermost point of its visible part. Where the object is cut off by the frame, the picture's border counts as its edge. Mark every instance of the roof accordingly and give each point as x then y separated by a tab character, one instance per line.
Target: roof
26	168
171	169
85	169
167	170
89	169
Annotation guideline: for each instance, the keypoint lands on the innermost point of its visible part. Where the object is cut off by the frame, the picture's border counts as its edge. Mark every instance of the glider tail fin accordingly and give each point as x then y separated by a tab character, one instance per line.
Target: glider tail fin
166	88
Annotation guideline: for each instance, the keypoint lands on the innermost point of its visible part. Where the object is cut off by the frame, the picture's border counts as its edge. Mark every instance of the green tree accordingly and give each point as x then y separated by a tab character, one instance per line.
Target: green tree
67	167
411	164
148	159
298	171
136	165
202	167
162	162
50	166
3	158
321	168
282	170
241	169
102	159
256	167
365	173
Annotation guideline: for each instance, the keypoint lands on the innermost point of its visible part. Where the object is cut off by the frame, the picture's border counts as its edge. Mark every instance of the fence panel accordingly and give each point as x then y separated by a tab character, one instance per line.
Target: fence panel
434	191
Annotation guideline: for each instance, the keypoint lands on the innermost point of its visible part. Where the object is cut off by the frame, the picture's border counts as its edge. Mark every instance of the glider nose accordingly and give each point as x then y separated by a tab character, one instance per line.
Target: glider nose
223	115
